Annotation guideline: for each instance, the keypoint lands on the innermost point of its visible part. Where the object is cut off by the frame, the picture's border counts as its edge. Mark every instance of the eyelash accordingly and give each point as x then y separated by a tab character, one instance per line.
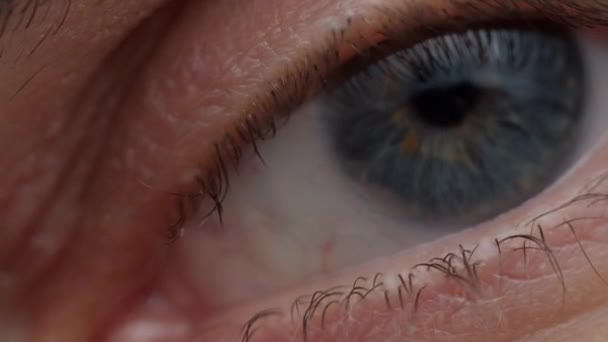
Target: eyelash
23	14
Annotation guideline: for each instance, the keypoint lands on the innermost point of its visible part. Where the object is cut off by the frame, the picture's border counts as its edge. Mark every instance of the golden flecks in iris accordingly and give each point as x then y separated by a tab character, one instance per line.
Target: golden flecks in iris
456	153
399	117
410	143
526	184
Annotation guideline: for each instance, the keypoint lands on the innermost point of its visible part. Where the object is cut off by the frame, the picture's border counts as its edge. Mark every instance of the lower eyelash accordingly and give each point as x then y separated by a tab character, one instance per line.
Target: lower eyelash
21	15
459	265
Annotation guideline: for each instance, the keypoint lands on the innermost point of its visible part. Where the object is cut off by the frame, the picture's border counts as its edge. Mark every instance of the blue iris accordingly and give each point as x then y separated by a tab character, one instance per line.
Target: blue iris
465	125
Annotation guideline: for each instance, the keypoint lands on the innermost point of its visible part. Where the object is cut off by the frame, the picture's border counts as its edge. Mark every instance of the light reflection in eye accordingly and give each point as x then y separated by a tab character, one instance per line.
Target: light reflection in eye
297	214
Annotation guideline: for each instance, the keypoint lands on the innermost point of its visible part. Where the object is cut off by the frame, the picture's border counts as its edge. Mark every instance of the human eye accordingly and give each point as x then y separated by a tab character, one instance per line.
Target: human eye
369	169
243	190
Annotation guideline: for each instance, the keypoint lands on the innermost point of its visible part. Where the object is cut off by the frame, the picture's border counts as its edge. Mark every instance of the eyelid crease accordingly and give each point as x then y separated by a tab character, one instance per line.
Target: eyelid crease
382	28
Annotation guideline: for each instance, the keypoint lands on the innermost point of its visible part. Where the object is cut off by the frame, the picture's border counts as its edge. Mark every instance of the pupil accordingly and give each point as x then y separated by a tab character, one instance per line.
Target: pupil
447	106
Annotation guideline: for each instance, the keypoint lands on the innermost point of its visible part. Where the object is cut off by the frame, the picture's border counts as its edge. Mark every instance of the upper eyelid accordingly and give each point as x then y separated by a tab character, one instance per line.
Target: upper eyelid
357	30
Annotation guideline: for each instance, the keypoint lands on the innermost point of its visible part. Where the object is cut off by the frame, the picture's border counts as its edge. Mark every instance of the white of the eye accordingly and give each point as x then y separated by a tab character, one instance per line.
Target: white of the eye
595	52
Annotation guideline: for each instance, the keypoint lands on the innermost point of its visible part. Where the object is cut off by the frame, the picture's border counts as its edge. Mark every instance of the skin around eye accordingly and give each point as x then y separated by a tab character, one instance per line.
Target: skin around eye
136	123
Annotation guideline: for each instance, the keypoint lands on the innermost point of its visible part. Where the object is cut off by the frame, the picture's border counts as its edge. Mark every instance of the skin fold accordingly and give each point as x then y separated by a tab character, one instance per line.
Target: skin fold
110	108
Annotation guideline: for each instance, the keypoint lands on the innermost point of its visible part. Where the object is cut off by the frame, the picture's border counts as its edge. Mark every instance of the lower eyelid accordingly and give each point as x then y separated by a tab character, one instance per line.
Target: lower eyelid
510	289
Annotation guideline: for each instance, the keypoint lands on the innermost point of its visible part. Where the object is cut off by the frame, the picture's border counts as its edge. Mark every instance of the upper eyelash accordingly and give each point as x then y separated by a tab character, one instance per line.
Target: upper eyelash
214	183
316	70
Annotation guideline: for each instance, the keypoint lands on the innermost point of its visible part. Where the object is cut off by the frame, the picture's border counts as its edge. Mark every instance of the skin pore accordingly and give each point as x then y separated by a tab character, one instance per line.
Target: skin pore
111	108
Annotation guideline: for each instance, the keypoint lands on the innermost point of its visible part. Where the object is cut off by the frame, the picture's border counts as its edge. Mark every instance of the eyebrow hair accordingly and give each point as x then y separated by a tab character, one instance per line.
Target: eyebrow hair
310	70
16	15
